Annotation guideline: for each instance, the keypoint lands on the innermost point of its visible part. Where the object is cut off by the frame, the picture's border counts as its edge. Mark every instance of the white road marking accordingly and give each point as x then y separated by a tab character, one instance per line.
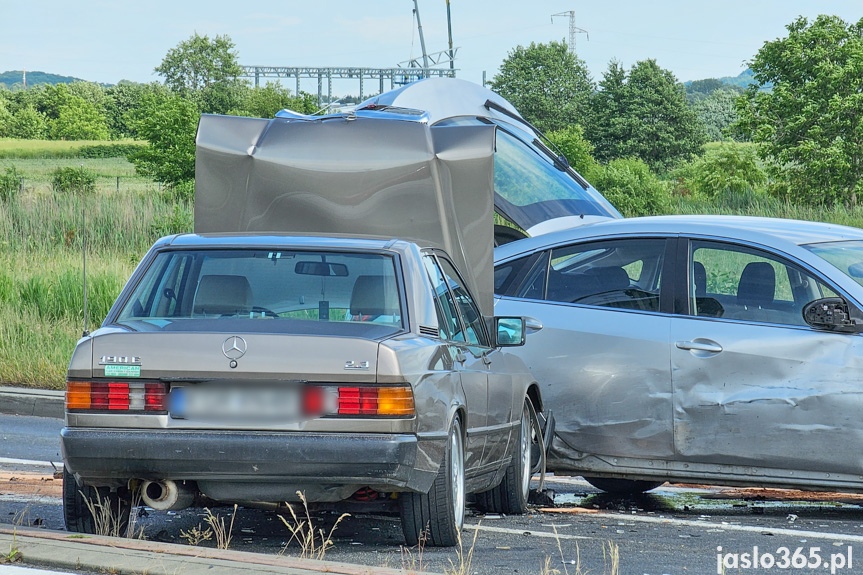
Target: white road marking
544	534
728	527
671	521
31	462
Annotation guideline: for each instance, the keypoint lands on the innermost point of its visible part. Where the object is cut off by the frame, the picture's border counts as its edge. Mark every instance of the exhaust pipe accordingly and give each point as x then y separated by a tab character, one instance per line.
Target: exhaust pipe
167	494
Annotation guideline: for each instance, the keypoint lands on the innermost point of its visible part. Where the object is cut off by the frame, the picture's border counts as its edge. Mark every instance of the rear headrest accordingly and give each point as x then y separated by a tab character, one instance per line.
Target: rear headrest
223	294
609	277
374	295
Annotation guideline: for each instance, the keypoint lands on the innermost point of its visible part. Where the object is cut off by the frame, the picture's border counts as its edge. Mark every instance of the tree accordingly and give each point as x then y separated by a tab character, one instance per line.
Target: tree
199	62
810	125
78	119
27	123
643	114
577	150
121	100
264	102
169	123
718	112
5	117
547	84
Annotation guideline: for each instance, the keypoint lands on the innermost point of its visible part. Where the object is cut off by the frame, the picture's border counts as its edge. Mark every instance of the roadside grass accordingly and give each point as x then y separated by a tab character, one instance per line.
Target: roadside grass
312	540
41	310
220	531
754	204
125	225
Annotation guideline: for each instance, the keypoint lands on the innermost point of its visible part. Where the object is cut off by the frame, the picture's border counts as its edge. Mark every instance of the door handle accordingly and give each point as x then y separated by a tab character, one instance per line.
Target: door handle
699	345
460	357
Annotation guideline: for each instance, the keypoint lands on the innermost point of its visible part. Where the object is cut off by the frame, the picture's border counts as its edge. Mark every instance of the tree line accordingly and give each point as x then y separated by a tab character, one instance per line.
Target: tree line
636	133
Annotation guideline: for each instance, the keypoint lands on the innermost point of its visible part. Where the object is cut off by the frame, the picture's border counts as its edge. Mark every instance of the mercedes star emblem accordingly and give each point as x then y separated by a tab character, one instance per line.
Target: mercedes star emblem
234	347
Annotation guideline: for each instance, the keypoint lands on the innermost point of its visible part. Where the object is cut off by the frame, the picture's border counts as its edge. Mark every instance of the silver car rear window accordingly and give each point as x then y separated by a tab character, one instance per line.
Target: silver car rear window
279	290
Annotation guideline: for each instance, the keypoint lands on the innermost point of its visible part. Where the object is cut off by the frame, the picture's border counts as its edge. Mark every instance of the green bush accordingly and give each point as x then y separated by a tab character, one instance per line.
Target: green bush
73	180
632	187
724	169
10	183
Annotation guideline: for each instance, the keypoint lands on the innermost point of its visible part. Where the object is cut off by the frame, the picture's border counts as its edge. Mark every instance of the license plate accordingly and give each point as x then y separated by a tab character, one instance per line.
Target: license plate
276	403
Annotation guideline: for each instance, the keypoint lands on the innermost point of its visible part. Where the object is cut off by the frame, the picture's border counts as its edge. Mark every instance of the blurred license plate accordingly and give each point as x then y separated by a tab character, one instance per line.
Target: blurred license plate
285	403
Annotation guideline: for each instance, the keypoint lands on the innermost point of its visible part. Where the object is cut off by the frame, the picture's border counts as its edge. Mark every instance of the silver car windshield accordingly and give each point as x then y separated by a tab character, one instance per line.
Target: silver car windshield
846	256
267	290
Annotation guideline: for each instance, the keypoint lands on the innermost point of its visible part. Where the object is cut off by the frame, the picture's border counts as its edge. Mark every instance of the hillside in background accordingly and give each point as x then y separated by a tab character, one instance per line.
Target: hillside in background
741	81
14	77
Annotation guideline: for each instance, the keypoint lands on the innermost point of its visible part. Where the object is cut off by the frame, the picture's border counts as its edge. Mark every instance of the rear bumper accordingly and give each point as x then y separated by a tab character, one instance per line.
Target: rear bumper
247	460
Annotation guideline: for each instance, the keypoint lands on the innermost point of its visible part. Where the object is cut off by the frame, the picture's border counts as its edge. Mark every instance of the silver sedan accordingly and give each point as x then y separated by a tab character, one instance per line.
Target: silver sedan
716	349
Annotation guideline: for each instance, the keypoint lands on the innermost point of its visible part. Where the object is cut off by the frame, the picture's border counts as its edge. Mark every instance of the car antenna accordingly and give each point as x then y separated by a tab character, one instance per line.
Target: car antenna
86	332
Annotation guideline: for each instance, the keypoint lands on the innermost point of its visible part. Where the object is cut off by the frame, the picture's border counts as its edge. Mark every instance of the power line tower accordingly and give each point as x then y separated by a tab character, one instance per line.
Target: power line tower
573	29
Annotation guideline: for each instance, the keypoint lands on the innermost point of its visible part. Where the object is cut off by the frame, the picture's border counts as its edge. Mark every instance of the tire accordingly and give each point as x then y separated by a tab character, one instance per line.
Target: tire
437	516
77	515
511	494
622	486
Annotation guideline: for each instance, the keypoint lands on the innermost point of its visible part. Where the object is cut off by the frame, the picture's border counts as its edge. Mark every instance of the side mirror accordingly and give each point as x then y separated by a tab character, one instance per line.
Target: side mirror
509	331
830	313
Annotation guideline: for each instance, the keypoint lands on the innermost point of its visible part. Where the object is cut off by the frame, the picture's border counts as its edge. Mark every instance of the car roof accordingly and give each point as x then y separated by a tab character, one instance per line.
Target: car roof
769	231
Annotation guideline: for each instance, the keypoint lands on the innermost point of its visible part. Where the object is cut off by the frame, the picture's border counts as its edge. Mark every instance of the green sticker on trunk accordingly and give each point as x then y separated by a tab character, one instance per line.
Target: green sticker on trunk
122	371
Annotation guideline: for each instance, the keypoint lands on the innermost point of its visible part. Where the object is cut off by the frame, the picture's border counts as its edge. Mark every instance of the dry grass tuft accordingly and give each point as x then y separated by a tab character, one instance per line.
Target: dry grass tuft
313	542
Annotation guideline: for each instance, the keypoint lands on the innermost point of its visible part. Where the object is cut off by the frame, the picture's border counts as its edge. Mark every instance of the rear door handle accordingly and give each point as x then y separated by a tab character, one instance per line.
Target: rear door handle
699	345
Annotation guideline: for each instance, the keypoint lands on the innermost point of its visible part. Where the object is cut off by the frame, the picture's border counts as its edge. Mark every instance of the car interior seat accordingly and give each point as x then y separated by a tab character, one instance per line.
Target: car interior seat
373	296
222	295
757	285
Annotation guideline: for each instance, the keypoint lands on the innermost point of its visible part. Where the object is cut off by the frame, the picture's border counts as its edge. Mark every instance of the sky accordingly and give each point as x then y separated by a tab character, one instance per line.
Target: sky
107	41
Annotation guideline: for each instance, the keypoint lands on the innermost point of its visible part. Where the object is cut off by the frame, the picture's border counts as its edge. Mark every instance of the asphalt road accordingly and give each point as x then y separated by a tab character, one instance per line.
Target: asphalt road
29	438
673	530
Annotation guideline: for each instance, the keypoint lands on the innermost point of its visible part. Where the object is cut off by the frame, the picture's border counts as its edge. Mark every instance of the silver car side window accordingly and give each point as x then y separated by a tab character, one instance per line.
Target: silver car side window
742	283
470	314
621	273
450	325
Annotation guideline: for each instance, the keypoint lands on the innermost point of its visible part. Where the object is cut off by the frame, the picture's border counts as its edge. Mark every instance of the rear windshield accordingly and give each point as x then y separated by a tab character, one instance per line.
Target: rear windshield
280	291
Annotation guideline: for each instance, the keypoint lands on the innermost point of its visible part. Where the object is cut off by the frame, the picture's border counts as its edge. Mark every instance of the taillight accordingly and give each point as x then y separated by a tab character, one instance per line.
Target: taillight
115	396
392	401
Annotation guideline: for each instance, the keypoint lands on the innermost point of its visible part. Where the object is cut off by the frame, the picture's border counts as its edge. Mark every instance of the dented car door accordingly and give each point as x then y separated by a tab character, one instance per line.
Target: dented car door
754	385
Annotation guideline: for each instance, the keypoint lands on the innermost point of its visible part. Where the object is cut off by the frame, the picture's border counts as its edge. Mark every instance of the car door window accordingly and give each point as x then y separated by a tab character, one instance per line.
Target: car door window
623	274
742	283
448	319
473	321
533	286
